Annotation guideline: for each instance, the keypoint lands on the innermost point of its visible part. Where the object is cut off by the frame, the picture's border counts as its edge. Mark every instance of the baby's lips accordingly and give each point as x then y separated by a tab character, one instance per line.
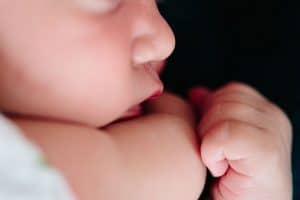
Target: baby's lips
134	111
156	95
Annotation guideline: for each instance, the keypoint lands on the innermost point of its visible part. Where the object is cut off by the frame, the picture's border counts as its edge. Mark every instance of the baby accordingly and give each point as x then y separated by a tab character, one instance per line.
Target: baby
73	70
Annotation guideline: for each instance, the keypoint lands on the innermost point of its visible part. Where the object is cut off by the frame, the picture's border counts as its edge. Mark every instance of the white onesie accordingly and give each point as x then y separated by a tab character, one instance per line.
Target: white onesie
24	174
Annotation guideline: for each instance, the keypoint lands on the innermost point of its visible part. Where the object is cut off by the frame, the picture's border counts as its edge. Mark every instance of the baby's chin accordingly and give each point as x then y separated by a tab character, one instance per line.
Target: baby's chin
132	112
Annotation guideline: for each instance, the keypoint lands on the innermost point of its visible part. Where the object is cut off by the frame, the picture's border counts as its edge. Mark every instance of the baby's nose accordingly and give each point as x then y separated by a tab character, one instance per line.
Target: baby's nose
154	40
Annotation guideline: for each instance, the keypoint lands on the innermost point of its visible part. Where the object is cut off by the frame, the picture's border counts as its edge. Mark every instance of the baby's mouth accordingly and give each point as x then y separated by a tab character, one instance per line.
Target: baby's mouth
137	110
132	112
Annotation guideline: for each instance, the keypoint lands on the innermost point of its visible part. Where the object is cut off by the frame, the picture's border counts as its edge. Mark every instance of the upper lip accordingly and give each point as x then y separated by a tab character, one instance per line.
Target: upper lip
155	73
153	68
158	66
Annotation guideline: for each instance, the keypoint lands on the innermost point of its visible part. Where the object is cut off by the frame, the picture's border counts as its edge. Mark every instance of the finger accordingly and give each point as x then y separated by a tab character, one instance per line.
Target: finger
237	181
170	104
235	110
241	88
244	107
238	93
233	186
202	98
237	143
238	97
198	97
235	101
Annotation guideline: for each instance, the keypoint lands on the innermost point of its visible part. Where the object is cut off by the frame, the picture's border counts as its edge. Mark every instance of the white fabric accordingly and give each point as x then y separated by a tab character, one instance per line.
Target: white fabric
23	174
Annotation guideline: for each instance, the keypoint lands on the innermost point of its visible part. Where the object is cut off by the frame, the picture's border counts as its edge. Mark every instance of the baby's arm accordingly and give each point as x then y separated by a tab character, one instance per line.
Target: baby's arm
152	157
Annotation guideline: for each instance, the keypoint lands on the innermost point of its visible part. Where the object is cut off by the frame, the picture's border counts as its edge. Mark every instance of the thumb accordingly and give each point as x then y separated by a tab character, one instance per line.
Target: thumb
171	104
198	97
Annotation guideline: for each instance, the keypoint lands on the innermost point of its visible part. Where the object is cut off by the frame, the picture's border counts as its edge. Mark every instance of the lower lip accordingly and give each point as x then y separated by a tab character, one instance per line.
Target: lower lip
137	110
134	111
156	95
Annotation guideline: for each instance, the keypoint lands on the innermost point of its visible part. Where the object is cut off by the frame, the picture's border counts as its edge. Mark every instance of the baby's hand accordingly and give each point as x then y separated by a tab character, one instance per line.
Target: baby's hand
246	143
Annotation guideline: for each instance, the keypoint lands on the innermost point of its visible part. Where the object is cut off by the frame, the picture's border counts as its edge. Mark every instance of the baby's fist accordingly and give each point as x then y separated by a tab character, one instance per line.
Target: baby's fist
246	143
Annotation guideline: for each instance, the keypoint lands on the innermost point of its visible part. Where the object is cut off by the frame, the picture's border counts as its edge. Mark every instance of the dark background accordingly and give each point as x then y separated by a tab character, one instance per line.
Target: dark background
254	41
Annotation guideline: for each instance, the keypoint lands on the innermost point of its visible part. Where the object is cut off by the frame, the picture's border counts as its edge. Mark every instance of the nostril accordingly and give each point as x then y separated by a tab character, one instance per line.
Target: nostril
143	51
146	50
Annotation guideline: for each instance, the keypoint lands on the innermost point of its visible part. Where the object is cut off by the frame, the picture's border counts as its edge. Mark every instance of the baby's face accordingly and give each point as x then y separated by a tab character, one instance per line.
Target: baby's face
87	61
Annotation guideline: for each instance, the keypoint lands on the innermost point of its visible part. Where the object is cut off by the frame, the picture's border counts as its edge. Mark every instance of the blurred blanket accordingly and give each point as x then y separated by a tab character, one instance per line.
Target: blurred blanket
24	173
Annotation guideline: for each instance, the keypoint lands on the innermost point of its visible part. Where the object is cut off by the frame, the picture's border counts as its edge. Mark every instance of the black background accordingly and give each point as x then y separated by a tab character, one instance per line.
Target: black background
253	41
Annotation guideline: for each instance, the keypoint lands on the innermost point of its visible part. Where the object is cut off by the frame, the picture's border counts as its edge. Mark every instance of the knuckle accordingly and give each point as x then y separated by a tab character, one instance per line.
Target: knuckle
233	108
267	146
234	92
280	116
239	86
219	130
272	150
214	110
273	109
271	145
234	84
233	127
226	126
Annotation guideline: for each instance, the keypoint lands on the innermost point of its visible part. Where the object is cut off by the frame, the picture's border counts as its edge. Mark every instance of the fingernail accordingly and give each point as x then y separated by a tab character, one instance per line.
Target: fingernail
198	92
197	95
